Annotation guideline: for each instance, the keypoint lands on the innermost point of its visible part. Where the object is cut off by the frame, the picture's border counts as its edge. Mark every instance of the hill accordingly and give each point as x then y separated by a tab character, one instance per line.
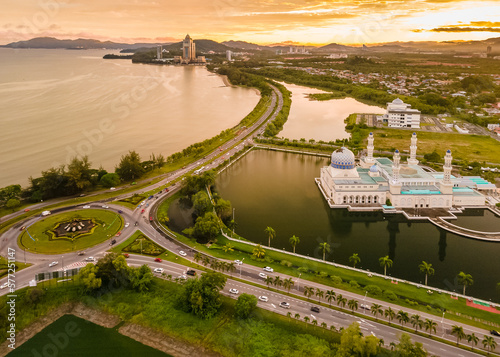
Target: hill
81	43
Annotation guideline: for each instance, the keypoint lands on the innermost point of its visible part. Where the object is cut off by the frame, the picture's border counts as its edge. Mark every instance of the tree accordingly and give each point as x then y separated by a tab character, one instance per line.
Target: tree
330	295
223	208
341	301
258	252
207	227
314	322
12	203
9	192
354	259
229	247
231	267
325	248
402	317
390	314
430	325
88	276
473	340
489	343
427	269
245	305
458	331
324	325
352	342
353	305
288	284
376	310
78	175
34	296
406	348
130	166
319	293
197	257
416	321
142	278
308	291
385	262
465	280
271	234
294	240
297	316
269	280
277	281
201	203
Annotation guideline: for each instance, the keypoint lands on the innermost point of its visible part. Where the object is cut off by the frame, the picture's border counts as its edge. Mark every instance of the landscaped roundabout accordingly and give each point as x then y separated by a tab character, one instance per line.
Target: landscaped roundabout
70	231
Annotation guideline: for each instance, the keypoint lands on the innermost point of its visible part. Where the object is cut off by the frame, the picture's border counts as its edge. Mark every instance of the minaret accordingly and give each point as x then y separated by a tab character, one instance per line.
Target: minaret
446	185
413	150
369	160
395	185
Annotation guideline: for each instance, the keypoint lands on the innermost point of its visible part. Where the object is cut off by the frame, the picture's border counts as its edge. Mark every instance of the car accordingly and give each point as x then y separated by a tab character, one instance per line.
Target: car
150	218
86	206
262	275
112	242
183	253
158	260
158	270
104	206
495	333
284	305
53	264
183	277
166	190
81	253
112	188
136	223
191	272
127	224
26	210
89	259
238	262
4	285
120	211
126	255
22	228
366	307
268	269
263	298
119	234
315	309
234	291
143	210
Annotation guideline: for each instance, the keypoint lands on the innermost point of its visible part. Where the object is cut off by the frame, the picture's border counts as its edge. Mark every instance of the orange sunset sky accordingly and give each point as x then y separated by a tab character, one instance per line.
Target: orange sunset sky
259	21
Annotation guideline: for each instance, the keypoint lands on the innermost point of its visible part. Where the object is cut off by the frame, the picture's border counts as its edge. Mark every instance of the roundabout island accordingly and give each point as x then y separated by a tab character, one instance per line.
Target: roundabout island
70	231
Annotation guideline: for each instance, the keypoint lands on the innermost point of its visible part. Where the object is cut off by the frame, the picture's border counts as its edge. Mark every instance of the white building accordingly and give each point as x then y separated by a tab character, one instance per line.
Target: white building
400	115
406	185
228	55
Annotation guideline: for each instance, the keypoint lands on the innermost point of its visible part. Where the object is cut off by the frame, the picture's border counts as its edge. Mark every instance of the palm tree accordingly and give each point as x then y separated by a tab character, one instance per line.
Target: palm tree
315	322
289	315
297	316
319	293
206	261
341	301
324	325
473	339
458	331
306	319
325	247
197	257
385	262
258	252
416	321
332	328
390	314
269	280
465	280
288	284
231	267
228	247
354	259
427	269
214	264
392	345
308	291
489	342
278	281
294	240
330	295
430	325
271	234
402	317
377	309
353	305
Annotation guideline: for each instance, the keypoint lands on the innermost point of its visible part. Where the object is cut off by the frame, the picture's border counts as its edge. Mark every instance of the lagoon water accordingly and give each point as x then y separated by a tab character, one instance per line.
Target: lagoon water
320	120
57	104
280	192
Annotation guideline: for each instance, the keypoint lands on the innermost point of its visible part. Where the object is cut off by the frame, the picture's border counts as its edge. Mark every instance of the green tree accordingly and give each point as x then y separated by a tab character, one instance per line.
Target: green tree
245	305
458	331
465	280
353	305
142	278
34	296
207	227
78	175
319	293
88	276
416	321
402	317
325	248
288	284
308	291
341	301
229	247
223	209
269	280
406	348
473	340
9	192
110	180
354	259
201	203
376	309
197	257
12	203
271	234
390	314
430	326
294	240
330	295
489	343
130	167
258	252
427	269
385	262
352	343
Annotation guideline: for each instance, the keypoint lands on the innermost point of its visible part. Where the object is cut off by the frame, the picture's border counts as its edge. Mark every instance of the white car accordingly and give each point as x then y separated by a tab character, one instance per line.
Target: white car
127	224
112	188
366	307
183	277
4	285
86	206
263	298
234	291
104	206
238	262
53	264
158	270
285	305
262	275
183	253
268	269
89	259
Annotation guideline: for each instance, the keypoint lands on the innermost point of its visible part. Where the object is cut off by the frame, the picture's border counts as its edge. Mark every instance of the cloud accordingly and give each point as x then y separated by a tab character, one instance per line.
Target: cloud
465	29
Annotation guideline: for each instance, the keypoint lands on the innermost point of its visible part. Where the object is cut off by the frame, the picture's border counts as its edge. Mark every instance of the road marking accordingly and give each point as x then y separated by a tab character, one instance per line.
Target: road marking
274	306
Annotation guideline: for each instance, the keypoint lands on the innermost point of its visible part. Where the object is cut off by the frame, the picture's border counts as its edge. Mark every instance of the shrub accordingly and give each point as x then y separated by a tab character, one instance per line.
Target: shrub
373	290
303	270
269	260
337	280
286	263
354	284
323	274
390	295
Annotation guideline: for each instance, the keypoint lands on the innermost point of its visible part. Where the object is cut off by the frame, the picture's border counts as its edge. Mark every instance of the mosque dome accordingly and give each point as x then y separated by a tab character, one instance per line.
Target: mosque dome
374	168
343	158
397	101
448	151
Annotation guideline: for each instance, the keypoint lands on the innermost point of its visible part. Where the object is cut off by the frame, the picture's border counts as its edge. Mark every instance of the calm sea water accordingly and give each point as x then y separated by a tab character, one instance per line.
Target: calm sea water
57	104
320	120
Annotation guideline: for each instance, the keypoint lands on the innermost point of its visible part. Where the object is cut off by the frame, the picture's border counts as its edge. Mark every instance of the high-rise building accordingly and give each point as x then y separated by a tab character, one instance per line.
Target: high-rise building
228	55
188	49
158	52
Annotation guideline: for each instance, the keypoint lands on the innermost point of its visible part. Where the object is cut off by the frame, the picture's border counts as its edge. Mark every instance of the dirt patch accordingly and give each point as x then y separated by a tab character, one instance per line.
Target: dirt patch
163	342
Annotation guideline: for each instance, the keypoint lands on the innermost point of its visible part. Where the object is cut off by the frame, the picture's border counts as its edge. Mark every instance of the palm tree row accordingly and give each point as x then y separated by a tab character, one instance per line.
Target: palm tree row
489	342
278	282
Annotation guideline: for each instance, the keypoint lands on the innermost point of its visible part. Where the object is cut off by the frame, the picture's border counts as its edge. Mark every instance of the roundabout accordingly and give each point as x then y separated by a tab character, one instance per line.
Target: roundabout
70	231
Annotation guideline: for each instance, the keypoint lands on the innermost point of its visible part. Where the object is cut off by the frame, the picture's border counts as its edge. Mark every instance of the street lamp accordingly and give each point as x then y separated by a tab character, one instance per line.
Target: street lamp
241	265
298	282
364	302
233	224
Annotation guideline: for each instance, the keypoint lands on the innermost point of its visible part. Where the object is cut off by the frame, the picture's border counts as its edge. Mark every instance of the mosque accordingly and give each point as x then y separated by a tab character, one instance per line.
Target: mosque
377	183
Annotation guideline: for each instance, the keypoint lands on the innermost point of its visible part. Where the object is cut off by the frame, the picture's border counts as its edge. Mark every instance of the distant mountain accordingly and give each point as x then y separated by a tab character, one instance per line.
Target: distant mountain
242	45
336	47
81	43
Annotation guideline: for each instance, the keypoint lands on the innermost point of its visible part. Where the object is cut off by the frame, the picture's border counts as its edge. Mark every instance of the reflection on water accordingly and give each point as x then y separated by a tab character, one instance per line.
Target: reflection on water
320	120
277	189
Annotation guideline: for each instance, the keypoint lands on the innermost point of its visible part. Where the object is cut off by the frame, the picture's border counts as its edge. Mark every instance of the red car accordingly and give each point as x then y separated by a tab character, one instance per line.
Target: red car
118	234
126	255
26	210
142	210
151	219
158	260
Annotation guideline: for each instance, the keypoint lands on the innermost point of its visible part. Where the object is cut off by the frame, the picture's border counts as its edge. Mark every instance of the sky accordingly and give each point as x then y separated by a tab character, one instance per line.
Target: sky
312	22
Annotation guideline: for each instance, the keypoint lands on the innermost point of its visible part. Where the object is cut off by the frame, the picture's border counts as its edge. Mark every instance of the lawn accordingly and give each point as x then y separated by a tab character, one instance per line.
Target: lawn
108	224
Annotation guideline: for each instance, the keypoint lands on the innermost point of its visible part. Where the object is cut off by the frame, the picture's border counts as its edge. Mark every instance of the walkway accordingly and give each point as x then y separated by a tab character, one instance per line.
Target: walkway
469	233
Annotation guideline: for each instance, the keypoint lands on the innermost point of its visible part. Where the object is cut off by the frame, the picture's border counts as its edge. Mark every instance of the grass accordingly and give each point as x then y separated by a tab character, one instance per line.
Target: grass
105	341
327	96
143	245
108	224
4	268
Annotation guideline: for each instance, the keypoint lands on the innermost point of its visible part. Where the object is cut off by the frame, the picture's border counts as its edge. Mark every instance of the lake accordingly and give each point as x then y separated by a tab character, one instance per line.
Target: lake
320	120
57	104
280	192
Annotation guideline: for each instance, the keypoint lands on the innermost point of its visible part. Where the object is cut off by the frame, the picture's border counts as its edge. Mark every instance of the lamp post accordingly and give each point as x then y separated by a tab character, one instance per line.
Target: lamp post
241	265
233	224
298	282
364	302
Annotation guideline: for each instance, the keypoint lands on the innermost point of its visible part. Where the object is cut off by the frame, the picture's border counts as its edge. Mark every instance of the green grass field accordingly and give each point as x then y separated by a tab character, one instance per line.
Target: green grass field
78	337
108	224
